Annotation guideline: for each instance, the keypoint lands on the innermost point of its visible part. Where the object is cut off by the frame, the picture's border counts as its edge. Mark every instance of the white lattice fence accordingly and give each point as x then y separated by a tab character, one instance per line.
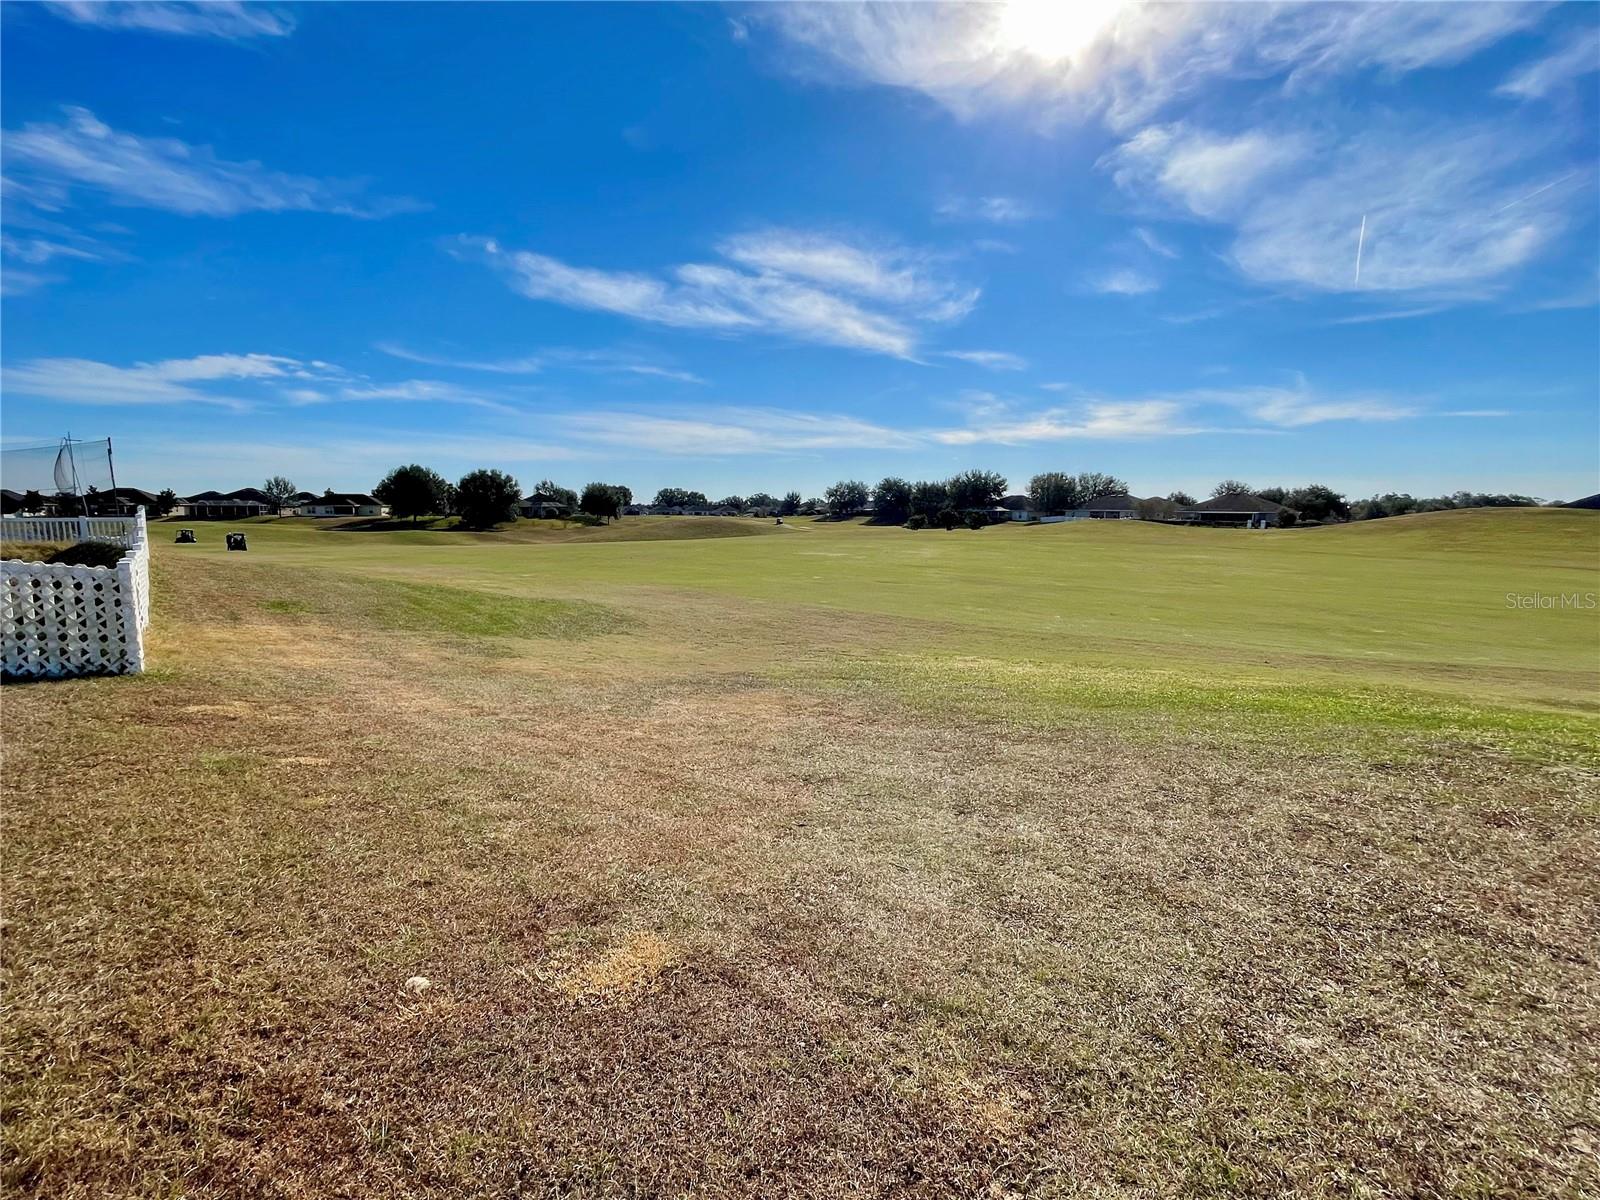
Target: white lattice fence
119	531
60	620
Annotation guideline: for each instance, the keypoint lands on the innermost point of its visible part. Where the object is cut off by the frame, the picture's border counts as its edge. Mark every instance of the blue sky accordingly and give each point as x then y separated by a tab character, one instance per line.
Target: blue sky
766	247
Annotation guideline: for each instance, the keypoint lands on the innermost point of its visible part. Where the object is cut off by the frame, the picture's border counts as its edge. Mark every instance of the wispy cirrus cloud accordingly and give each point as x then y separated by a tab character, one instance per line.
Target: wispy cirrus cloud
239	382
1122	62
602	361
1447	211
81	152
1093	421
996	210
1123	281
1154	243
993	360
230	20
732	431
170	381
807	286
1556	72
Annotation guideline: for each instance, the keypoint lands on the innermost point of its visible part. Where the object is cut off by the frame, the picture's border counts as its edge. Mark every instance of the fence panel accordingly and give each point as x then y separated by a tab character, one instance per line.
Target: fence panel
58	620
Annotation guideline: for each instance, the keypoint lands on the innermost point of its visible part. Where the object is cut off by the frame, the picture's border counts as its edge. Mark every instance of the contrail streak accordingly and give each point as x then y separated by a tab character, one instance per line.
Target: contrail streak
1361	240
1533	193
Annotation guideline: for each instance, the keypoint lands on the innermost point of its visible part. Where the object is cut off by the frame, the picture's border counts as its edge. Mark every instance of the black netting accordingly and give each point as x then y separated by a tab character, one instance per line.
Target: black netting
60	469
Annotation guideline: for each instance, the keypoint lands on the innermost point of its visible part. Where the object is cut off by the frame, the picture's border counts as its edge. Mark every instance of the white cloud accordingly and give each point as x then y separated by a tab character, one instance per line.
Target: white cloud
889	274
1299	404
1097	420
604	361
1208	174
1579	57
994	360
426	391
1447	211
811	287
1123	281
1123	61
36	251
168	174
997	210
725	431
227	19
1154	243
172	381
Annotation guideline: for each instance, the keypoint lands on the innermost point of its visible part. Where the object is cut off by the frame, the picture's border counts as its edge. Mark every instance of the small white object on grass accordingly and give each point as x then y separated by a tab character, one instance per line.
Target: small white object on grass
418	984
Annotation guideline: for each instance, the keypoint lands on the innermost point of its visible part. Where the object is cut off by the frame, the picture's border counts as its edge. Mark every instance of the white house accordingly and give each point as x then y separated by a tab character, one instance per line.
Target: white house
344	504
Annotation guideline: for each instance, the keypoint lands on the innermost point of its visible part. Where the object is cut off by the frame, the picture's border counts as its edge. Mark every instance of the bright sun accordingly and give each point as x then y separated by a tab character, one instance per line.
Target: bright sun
1053	30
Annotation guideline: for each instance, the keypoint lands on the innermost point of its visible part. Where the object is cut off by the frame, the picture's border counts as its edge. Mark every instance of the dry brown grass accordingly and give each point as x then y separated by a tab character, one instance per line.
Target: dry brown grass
691	930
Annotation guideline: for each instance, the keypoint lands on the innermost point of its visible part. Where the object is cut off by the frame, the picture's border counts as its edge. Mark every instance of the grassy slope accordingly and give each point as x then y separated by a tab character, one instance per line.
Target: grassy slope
707	910
1415	602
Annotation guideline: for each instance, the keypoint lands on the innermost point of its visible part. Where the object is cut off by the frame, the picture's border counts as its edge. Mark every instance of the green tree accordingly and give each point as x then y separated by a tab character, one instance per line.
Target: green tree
1181	499
734	502
847	496
1094	484
485	498
929	498
1053	492
1316	502
762	500
601	500
891	500
976	521
166	501
1228	487
975	489
949	519
1277	495
791	504
413	491
33	501
281	490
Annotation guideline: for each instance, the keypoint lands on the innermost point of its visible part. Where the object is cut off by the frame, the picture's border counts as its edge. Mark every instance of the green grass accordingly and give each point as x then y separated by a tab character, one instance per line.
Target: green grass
1089	861
1418	603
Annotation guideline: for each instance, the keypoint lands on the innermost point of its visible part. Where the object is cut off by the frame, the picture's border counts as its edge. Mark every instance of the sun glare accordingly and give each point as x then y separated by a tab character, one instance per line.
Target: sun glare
1053	30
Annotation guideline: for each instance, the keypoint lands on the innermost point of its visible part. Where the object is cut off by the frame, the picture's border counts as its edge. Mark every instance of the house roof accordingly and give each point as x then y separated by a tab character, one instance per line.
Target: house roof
1587	502
250	495
1236	502
207	497
1016	501
11	495
1116	501
133	493
357	499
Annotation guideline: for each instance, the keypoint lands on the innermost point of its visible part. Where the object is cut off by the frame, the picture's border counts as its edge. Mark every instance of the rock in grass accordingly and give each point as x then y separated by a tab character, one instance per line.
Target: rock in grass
418	984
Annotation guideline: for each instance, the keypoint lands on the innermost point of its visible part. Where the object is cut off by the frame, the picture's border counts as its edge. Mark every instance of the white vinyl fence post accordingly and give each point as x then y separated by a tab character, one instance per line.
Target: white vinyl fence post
132	631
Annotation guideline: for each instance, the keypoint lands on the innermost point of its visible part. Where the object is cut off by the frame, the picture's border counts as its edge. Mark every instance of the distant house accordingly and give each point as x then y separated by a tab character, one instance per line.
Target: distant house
1234	508
1117	507
545	506
344	504
227	506
1587	502
10	501
125	501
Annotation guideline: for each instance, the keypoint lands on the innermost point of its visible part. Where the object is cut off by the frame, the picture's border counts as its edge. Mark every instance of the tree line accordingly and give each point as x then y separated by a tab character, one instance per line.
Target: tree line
487	497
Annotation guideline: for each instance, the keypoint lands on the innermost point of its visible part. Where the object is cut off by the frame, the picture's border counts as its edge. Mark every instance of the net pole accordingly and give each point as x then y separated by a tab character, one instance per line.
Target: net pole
111	465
